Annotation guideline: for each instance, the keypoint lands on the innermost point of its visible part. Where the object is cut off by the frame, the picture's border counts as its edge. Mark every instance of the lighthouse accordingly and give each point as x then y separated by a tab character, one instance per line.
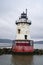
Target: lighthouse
23	42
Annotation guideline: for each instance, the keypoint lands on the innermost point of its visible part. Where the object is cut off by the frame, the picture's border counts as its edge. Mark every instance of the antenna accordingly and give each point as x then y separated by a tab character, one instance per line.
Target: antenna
26	13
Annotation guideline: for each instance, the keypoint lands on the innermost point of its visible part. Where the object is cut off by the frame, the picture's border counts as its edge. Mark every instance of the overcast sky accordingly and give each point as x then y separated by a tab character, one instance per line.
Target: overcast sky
10	11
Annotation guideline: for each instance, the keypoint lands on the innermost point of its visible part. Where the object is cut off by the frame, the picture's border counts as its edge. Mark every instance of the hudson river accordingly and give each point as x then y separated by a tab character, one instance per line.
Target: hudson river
21	60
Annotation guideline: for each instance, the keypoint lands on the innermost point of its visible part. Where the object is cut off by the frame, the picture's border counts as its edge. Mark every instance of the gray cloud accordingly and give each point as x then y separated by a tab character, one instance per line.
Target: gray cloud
10	10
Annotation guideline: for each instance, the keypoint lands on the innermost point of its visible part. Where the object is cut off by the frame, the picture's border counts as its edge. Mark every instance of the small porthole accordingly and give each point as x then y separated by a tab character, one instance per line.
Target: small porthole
19	31
25	36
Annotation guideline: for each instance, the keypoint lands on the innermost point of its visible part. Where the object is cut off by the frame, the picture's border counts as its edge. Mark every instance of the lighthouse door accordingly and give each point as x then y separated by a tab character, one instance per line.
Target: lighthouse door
25	36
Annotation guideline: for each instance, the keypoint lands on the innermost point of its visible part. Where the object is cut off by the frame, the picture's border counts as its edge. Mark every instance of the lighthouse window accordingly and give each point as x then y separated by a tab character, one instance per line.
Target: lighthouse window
19	31
25	36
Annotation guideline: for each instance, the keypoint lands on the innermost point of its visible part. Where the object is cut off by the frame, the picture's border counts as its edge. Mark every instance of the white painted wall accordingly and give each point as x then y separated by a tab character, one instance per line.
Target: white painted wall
25	30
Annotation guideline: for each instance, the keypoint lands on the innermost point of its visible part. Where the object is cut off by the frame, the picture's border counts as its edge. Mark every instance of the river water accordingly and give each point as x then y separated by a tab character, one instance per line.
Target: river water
21	60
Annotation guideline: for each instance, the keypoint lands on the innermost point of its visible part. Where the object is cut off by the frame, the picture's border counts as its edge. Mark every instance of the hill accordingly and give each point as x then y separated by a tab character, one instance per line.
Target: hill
5	41
38	42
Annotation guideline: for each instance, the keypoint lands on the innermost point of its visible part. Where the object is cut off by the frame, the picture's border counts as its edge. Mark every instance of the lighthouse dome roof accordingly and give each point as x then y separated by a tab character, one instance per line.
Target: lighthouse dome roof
23	19
23	15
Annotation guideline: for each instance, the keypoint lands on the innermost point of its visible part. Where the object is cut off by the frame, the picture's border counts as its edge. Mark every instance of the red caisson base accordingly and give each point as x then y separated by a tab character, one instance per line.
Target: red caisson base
24	46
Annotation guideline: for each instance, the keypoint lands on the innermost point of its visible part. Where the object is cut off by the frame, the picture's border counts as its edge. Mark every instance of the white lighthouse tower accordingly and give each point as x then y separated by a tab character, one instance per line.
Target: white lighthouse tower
23	27
23	42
